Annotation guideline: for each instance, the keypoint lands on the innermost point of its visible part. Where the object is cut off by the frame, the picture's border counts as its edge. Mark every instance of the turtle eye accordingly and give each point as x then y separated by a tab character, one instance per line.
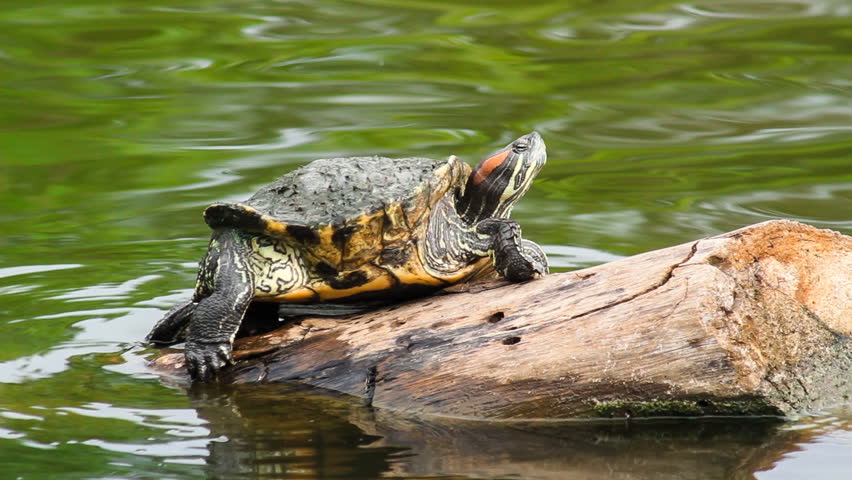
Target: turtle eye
520	146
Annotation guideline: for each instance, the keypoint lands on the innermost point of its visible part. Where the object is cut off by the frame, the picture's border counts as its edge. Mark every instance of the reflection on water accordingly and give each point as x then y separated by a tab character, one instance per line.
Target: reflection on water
120	121
260	432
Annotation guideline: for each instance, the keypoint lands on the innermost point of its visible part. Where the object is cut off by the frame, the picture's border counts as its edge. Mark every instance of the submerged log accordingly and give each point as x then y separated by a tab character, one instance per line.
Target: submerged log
755	321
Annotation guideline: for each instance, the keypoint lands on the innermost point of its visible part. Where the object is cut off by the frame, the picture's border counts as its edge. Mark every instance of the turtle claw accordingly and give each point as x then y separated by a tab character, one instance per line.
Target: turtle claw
205	360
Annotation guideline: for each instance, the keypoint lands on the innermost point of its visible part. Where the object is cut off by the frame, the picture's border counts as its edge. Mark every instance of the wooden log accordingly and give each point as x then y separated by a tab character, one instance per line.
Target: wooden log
755	321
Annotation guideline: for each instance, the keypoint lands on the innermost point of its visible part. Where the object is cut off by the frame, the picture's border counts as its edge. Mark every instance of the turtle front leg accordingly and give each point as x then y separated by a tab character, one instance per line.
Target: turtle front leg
217	317
515	258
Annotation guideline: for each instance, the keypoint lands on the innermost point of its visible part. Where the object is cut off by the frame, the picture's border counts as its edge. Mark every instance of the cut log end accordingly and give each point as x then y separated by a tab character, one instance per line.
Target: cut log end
752	322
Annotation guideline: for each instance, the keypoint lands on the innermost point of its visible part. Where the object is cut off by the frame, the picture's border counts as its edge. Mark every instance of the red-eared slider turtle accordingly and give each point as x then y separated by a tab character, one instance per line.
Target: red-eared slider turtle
352	228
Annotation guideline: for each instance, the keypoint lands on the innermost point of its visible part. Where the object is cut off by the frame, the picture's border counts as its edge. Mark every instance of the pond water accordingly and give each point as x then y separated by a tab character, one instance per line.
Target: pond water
120	120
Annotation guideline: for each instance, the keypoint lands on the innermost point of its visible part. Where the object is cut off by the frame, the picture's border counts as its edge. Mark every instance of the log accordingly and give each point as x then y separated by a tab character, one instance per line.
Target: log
751	322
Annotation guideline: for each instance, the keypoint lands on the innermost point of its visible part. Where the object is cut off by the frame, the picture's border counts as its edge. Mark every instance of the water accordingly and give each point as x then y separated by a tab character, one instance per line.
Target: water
121	120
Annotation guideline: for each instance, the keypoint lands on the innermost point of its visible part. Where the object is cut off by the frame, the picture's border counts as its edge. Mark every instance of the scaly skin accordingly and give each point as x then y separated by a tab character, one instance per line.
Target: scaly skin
217	316
515	259
476	224
172	327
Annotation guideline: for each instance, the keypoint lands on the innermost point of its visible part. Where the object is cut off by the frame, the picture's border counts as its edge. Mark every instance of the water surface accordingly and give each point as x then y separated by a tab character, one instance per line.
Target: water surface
121	120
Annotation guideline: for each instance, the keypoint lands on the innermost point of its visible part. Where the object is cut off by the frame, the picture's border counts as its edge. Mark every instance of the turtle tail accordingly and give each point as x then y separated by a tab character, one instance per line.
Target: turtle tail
173	326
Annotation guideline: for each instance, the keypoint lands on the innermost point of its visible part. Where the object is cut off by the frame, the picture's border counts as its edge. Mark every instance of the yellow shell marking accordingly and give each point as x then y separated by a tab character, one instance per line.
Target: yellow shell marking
368	244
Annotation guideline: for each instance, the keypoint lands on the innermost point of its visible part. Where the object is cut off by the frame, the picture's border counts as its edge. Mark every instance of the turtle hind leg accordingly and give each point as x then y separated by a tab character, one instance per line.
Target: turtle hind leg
515	258
218	316
211	333
172	327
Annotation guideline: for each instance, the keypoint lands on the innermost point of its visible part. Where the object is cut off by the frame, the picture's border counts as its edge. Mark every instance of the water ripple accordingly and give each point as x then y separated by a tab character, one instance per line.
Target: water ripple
350	24
107	291
287	138
769	9
821	205
786	135
176	450
565	256
102	331
655	22
28	269
180	422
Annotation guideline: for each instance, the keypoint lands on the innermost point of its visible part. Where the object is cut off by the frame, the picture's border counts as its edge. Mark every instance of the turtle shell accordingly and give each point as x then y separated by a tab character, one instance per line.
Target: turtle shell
345	212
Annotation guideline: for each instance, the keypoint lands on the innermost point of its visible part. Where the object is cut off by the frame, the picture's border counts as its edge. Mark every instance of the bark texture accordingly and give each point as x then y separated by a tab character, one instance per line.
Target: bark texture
755	321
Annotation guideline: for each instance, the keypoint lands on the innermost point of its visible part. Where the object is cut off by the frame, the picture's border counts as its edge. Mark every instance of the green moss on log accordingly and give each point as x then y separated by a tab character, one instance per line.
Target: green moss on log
686	408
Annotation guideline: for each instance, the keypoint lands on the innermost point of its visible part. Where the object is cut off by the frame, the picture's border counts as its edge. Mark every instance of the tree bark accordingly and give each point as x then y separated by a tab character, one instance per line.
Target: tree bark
752	322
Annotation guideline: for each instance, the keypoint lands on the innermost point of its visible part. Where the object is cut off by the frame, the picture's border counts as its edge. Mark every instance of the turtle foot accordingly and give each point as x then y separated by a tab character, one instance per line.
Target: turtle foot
515	259
205	360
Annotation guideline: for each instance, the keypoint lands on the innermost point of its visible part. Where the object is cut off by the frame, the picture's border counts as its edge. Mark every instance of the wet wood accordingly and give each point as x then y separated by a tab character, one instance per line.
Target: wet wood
756	321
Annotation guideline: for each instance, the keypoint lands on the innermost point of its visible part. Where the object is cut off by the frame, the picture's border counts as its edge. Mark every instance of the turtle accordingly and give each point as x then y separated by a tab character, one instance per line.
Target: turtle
341	231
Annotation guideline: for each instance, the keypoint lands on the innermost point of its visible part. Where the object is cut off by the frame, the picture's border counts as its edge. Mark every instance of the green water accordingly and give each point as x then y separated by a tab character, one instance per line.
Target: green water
120	120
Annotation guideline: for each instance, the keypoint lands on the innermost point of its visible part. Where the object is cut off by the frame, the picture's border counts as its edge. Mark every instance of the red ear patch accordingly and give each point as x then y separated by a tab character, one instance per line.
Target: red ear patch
488	165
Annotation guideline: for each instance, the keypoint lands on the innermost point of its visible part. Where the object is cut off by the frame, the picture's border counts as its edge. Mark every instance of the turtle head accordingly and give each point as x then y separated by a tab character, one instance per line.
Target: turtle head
501	179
